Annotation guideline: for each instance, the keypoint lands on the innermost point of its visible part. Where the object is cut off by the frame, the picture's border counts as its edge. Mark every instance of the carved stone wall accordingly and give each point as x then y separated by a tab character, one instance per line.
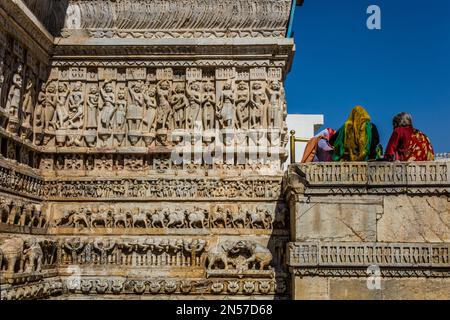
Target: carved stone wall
141	149
357	225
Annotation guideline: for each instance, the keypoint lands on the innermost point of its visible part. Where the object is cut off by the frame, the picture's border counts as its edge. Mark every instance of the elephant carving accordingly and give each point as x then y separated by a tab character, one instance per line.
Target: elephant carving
11	253
259	255
219	254
33	256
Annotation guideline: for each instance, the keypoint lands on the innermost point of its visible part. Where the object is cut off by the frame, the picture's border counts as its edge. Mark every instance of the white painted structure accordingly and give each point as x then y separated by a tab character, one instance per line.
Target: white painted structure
305	127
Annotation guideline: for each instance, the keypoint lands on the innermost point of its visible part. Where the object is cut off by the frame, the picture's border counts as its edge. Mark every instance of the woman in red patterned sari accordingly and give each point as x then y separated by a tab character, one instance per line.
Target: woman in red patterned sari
408	143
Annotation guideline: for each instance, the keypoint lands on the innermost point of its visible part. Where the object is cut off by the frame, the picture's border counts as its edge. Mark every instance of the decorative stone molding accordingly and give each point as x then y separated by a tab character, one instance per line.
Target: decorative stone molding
338	259
371	178
178	18
122	286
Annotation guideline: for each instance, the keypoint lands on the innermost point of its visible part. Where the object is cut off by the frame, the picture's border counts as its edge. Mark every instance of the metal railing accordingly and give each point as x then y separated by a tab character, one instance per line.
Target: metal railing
293	139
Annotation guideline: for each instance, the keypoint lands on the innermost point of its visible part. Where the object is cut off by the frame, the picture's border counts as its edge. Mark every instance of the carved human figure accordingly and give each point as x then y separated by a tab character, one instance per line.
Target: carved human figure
75	113
2	81
209	106
164	110
28	103
179	103
61	105
257	104
226	105
92	107
121	106
14	94
242	101
136	106
39	117
150	109
51	98
275	93
108	107
193	114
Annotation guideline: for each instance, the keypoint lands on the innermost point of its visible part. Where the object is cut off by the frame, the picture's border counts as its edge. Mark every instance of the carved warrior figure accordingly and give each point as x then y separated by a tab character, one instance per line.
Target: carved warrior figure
28	103
14	94
193	112
209	106
257	105
164	110
226	106
150	109
108	107
92	107
180	104
136	107
61	106
242	101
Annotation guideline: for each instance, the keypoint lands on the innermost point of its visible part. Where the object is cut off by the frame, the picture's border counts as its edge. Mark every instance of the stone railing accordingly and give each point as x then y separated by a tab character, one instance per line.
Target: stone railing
354	258
370	177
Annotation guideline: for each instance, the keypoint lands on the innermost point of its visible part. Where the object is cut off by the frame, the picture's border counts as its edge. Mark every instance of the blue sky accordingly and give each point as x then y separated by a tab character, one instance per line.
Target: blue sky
405	66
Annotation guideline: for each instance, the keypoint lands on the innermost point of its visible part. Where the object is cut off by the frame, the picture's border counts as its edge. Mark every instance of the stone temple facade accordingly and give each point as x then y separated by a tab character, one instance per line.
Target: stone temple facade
142	145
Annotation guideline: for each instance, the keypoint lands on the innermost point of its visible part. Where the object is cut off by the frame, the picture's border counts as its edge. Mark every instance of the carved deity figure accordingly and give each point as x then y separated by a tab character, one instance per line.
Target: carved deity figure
179	103
92	107
257	105
108	107
193	114
209	105
164	110
275	93
121	112
242	101
150	109
226	105
75	113
28	103
39	117
51	98
136	107
61	105
14	94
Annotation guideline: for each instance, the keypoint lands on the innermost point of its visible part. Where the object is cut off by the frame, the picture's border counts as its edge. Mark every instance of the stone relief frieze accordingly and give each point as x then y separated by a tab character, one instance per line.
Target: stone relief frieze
395	259
152	19
172	217
162	189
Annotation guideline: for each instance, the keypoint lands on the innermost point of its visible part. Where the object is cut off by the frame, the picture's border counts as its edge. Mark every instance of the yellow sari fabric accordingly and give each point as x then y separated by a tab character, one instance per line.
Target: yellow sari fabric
356	136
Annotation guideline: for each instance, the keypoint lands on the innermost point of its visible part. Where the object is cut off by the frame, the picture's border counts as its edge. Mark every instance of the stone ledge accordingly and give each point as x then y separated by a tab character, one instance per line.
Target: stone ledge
365	254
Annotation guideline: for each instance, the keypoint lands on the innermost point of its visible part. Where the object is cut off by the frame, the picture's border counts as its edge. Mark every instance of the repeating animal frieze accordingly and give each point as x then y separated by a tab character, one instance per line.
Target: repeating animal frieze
163	188
26	255
98	285
157	252
239	258
19	213
229	216
153	19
